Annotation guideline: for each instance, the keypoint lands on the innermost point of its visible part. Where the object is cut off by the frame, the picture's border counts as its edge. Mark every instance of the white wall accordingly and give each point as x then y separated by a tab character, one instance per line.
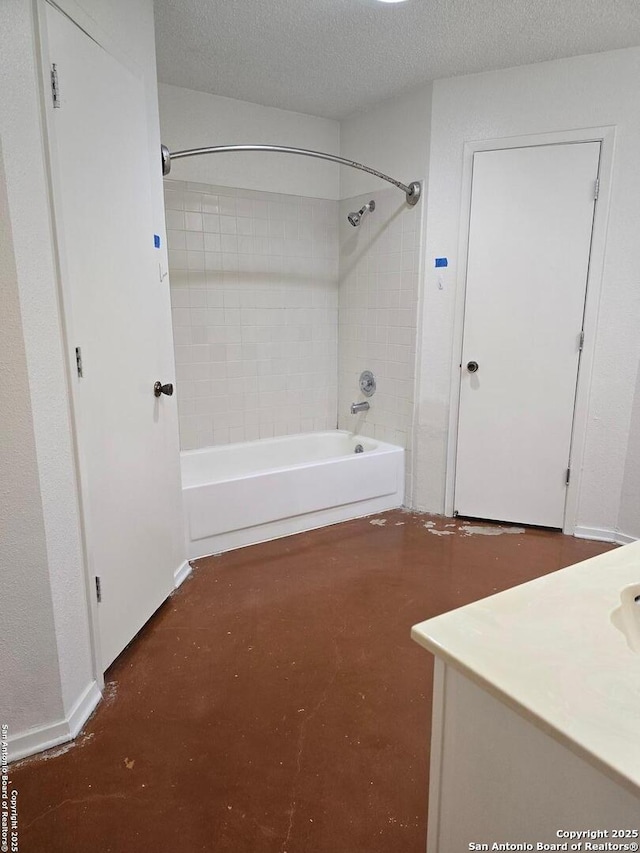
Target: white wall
29	658
581	92
196	119
629	516
392	137
125	28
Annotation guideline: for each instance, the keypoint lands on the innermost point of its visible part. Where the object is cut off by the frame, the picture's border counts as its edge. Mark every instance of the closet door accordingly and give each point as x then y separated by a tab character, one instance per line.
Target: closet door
117	315
529	245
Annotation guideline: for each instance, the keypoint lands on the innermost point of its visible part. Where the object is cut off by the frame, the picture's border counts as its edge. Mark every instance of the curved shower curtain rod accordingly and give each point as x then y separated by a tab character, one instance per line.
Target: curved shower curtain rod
412	191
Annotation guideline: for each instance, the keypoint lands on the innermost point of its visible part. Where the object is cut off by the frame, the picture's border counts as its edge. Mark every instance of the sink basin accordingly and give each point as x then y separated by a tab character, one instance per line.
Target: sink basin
626	618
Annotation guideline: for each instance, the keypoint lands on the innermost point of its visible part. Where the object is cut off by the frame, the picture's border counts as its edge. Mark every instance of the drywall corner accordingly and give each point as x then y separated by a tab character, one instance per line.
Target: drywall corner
392	137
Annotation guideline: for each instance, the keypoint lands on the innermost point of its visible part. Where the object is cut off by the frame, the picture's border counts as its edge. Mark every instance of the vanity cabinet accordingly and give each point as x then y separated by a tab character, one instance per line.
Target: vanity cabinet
536	714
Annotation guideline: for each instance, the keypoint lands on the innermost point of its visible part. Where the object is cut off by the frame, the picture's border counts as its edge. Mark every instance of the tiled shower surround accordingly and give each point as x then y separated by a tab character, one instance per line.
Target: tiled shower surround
378	316
267	290
254	294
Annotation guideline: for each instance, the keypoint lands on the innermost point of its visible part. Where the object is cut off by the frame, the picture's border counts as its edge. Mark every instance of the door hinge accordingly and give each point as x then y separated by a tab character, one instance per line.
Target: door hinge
79	362
596	189
581	341
98	589
568	477
55	86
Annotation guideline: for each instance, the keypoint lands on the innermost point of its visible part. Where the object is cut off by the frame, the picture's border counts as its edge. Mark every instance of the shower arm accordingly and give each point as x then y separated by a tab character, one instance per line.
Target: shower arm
412	191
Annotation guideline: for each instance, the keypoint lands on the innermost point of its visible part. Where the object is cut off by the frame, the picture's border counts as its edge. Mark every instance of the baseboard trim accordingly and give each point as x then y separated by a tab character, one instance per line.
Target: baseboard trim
181	574
46	737
604	534
84	708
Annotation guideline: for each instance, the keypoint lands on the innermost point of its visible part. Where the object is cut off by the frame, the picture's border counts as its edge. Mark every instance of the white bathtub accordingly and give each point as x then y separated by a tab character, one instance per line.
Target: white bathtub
240	494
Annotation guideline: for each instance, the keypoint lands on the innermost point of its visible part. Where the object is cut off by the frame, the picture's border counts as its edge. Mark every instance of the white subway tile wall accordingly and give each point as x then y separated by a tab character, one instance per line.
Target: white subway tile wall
254	294
379	268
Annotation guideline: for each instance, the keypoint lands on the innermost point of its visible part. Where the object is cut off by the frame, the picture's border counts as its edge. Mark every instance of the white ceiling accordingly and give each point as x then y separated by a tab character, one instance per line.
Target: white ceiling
332	57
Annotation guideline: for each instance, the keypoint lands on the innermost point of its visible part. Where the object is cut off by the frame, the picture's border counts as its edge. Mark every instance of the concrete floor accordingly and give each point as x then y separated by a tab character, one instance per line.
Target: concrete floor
275	703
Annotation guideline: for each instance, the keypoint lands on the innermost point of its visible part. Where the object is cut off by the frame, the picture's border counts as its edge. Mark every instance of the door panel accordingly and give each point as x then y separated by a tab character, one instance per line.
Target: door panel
529	244
117	312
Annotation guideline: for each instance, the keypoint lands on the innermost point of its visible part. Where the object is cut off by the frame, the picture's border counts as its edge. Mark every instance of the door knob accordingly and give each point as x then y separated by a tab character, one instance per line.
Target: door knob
159	388
472	366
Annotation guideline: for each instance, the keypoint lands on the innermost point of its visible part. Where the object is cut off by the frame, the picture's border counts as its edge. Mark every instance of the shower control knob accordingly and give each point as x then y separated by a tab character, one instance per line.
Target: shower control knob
159	388
472	366
367	383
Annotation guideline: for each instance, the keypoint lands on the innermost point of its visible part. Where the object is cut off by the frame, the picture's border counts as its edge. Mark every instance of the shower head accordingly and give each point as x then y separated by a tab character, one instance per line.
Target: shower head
355	218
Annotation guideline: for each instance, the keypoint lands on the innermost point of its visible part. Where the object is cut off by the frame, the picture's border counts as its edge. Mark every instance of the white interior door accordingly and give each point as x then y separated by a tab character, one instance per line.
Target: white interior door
529	245
117	312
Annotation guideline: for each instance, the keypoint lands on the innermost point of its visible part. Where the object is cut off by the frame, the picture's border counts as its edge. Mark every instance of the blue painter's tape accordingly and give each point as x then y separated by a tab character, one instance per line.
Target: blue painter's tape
156	241
442	262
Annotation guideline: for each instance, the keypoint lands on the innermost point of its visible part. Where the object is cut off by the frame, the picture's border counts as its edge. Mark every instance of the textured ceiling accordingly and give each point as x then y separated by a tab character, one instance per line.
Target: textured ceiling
332	57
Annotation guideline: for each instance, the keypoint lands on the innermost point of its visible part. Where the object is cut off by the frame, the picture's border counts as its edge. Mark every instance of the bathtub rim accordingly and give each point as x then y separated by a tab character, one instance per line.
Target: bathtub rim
381	447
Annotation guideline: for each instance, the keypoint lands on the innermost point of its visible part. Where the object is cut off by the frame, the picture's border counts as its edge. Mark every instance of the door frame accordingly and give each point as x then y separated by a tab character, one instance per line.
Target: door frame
606	136
93	31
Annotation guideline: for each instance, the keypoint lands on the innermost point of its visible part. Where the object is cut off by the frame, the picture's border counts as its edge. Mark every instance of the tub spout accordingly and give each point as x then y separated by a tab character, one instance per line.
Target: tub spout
360	407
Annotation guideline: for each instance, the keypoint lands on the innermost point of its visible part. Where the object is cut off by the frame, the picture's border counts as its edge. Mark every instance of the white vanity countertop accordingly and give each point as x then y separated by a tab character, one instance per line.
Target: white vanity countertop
549	649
